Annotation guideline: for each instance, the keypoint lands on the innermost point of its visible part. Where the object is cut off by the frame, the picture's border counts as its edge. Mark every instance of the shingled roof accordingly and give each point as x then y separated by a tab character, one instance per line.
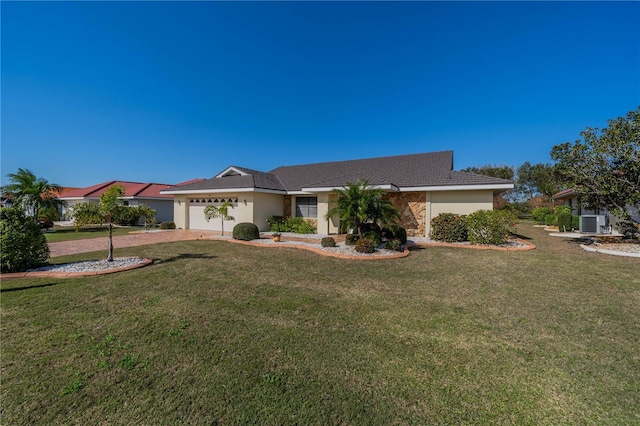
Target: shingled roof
434	169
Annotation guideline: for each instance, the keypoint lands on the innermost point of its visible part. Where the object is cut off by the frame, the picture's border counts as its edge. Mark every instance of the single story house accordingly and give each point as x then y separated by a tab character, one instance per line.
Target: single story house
135	193
569	198
421	186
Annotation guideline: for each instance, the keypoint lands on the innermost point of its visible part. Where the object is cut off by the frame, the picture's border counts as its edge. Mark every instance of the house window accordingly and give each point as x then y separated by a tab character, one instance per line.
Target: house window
307	206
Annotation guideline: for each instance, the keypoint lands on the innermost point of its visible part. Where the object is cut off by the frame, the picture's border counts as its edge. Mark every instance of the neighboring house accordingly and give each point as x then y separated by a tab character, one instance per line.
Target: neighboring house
135	193
421	186
569	198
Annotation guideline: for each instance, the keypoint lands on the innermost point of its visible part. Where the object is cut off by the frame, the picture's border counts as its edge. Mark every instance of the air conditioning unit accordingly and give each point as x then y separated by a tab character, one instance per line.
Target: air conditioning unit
594	224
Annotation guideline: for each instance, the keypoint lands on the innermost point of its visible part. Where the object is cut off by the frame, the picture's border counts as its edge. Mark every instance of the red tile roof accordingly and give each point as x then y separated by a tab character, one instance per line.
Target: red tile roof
132	189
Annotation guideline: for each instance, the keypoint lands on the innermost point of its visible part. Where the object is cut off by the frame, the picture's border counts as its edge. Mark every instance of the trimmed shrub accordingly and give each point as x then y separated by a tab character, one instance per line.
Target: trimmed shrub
393	244
45	223
373	236
365	245
395	231
564	221
167	225
629	230
246	231
539	214
489	226
448	227
24	246
291	224
328	242
351	239
551	219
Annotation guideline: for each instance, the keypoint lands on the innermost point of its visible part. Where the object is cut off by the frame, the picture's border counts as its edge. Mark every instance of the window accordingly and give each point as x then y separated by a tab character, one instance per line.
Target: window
307	206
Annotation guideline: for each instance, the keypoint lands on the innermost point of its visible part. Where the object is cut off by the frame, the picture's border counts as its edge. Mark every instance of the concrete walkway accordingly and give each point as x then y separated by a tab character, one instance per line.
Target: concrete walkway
142	238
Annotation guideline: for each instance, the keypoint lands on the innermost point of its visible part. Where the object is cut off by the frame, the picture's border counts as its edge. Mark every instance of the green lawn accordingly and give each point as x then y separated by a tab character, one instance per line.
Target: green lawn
218	333
67	233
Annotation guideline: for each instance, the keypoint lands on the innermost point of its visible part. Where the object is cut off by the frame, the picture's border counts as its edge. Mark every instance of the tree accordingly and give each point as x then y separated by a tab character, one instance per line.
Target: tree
357	204
603	167
24	246
502	172
31	193
106	212
213	212
536	179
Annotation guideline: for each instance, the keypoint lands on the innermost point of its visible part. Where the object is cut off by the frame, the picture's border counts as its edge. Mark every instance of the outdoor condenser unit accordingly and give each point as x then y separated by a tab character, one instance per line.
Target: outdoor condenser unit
593	223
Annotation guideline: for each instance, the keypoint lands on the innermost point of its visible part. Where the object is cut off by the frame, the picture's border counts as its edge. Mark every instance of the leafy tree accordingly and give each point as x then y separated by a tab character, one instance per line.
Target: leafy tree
502	172
536	179
31	193
603	167
106	212
222	212
23	245
357	205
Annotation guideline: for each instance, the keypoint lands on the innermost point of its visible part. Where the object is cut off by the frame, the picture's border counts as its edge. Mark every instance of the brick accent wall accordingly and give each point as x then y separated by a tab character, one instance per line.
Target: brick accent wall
412	206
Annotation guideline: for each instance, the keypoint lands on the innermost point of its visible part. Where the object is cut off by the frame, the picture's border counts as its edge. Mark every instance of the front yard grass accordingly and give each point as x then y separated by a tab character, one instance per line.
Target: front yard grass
218	333
68	233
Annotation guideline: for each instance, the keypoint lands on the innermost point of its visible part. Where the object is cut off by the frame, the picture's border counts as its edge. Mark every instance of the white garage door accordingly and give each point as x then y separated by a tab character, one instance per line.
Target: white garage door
196	214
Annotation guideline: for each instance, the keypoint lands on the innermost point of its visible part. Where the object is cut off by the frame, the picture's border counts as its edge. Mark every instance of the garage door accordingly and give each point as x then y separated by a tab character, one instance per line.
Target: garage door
196	214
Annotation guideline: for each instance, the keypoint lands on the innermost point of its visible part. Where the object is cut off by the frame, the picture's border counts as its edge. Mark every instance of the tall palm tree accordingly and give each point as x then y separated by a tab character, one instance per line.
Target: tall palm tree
32	193
357	204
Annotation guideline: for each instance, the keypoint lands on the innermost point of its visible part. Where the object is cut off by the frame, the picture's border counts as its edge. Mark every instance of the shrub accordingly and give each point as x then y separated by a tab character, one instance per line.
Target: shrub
351	239
489	226
45	223
167	225
561	209
373	236
564	221
24	246
628	230
48	213
365	245
449	227
291	224
550	219
246	231
130	215
539	214
393	244
395	231
277	224
305	227
328	242
575	222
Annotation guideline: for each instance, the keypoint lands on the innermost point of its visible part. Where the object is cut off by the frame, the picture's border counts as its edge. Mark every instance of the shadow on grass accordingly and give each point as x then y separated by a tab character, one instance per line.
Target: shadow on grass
522	237
29	287
182	257
586	241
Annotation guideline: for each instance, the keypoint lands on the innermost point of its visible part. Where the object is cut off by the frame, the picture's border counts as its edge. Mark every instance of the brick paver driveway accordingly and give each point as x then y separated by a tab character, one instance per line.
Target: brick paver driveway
64	248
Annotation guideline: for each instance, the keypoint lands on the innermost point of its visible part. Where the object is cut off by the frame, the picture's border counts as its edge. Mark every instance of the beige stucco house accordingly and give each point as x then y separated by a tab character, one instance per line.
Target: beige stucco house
421	186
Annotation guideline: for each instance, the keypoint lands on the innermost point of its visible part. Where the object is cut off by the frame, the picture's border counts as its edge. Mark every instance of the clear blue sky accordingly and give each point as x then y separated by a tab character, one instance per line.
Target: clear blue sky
169	91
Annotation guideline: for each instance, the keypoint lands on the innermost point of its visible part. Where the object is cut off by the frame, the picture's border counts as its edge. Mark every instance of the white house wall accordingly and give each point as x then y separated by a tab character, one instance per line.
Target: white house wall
265	206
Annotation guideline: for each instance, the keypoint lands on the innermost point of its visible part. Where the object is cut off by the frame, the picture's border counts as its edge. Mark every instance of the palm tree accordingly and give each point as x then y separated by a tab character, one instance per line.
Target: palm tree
31	193
212	212
357	204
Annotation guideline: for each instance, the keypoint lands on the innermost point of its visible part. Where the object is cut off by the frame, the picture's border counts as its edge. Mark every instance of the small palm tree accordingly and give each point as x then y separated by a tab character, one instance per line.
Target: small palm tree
357	204
213	212
31	193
